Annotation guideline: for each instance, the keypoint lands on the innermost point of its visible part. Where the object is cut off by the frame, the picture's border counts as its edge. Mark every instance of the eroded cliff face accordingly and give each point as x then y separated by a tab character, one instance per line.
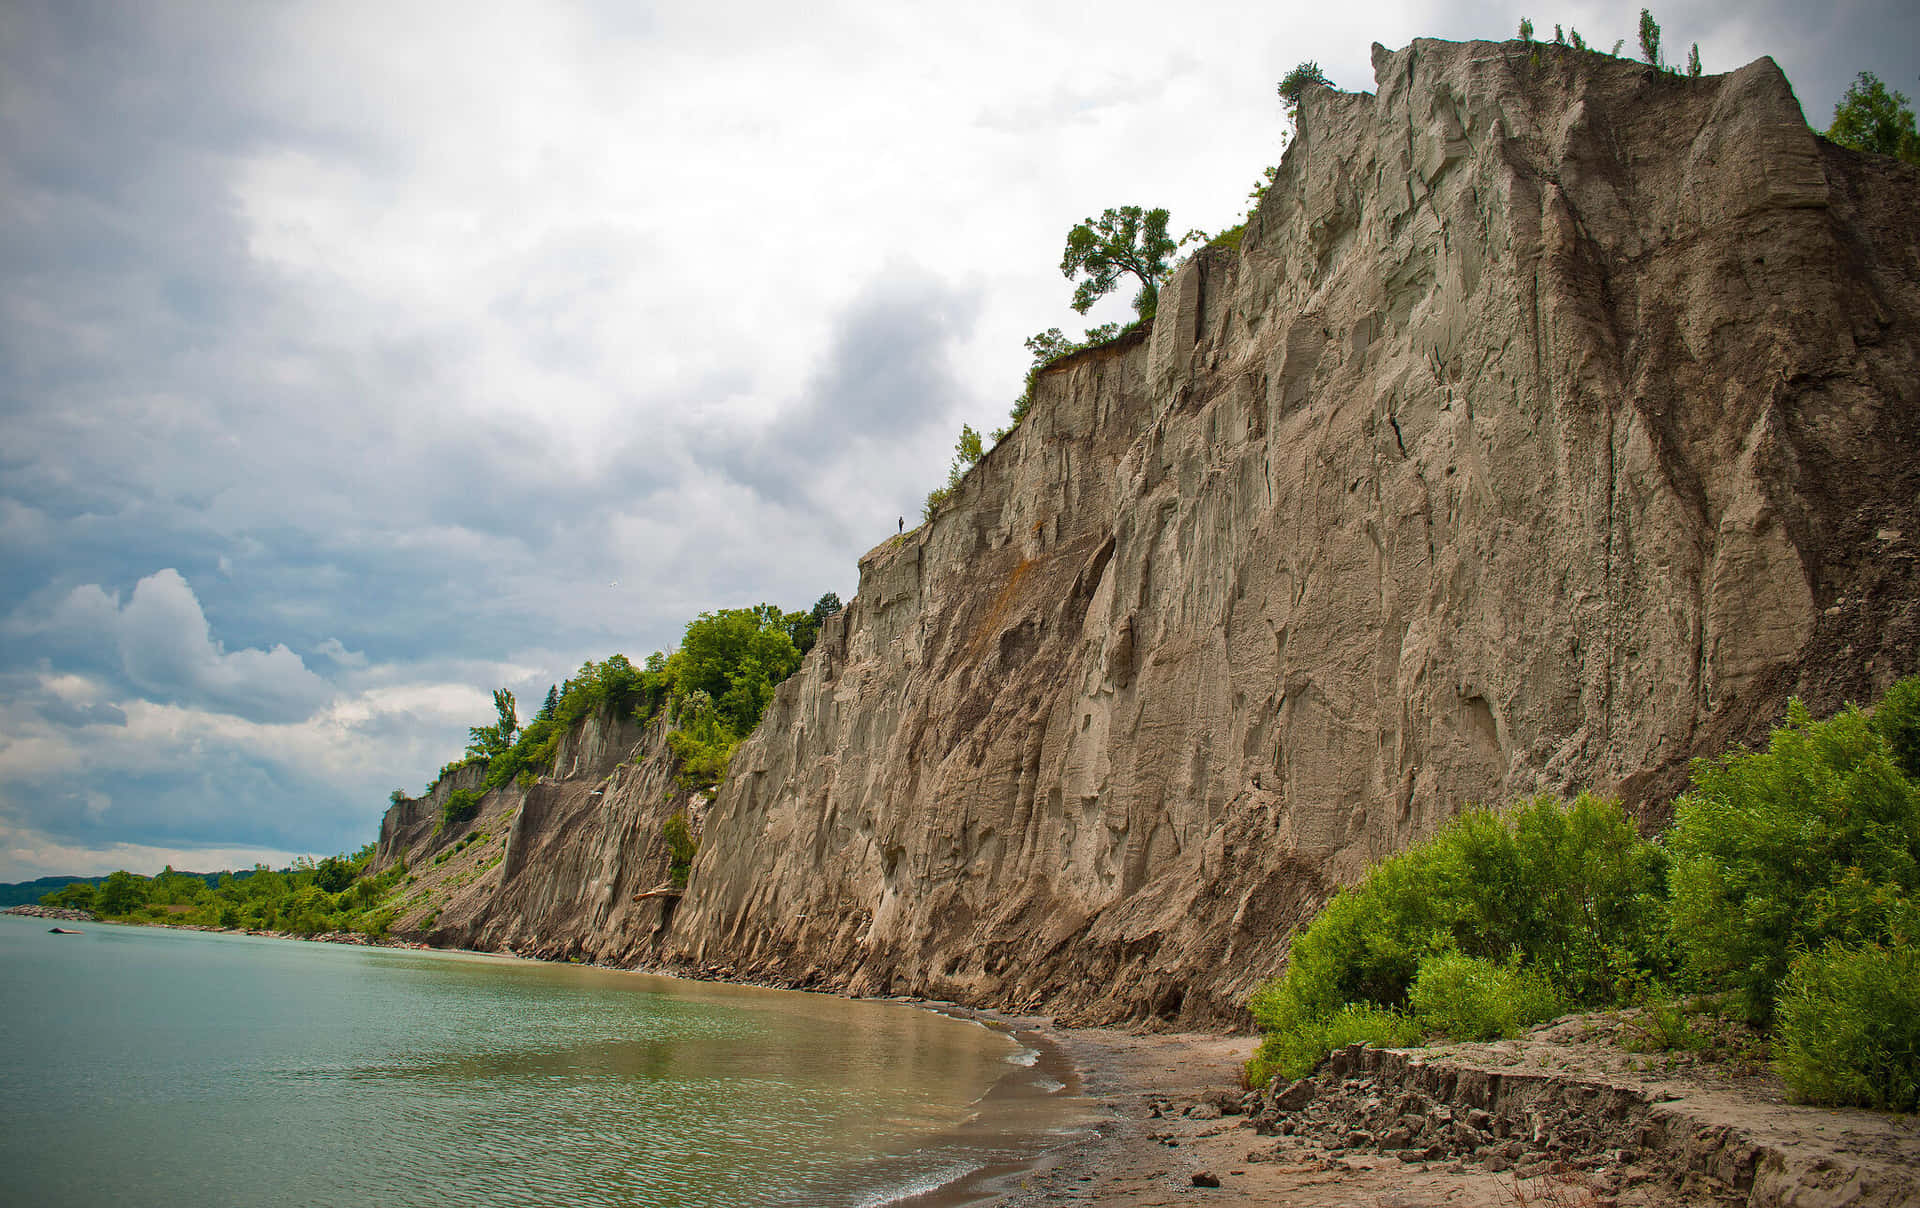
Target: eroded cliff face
571	866
1554	422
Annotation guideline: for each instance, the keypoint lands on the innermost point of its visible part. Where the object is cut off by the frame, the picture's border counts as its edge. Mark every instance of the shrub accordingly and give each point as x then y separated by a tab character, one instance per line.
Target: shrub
1567	891
1470	998
1815	839
1294	1052
681	848
461	805
1849	1027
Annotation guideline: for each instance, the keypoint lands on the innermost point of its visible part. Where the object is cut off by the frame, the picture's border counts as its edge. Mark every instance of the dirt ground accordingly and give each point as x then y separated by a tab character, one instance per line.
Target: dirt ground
1576	1121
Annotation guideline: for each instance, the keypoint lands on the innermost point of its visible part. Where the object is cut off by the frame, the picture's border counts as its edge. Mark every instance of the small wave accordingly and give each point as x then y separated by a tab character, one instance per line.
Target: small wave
1023	1057
917	1186
1050	1086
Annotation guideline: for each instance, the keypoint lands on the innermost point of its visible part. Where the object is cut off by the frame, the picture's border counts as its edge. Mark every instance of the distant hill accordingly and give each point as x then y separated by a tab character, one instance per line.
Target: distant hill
24	893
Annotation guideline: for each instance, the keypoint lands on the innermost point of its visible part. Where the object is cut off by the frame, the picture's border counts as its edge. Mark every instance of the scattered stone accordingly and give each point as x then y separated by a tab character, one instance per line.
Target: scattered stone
1205	1178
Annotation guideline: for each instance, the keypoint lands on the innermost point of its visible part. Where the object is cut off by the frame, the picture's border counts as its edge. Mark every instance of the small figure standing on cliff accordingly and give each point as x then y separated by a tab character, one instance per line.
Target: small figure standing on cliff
903	524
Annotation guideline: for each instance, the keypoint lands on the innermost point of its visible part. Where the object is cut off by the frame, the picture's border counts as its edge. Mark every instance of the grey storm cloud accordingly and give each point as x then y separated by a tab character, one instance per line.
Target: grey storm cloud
885	380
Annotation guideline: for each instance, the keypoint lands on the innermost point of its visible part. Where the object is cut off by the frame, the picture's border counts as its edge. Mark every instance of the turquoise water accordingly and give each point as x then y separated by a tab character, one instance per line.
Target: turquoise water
142	1066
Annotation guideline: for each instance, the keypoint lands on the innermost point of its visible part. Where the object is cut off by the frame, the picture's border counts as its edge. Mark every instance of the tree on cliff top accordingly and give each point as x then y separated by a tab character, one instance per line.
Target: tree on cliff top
1871	118
487	742
1123	240
1295	83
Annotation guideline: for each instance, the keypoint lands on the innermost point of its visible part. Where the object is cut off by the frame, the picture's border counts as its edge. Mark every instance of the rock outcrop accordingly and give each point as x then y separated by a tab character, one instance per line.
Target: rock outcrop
1553	422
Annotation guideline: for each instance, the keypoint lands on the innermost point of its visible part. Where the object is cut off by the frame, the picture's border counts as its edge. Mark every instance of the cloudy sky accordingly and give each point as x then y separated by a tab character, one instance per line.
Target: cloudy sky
357	359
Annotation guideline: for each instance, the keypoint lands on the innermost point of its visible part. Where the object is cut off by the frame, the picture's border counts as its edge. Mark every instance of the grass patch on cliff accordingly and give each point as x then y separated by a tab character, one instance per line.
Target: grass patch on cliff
1788	889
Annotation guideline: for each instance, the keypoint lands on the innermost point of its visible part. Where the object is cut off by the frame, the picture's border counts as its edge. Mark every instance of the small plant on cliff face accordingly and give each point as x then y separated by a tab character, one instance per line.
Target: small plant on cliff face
461	804
1293	86
681	848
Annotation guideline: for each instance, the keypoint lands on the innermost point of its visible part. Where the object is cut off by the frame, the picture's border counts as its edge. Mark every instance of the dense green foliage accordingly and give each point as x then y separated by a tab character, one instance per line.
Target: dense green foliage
1126	240
334	894
1869	117
1788	891
1569	892
460	805
715	687
1850	1026
1815	839
1473	998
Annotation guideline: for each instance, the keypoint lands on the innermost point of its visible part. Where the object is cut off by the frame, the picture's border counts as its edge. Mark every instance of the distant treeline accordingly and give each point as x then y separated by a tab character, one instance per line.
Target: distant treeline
25	893
308	897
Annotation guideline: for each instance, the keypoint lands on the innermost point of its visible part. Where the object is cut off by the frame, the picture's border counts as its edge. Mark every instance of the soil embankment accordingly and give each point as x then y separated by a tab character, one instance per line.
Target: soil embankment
1563	1116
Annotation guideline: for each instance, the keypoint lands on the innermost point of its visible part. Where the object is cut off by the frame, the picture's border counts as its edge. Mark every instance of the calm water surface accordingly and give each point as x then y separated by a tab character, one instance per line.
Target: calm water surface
141	1066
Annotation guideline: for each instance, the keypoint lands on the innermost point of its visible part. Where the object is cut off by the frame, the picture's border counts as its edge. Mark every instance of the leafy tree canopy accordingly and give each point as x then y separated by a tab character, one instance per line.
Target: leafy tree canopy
1869	117
1126	240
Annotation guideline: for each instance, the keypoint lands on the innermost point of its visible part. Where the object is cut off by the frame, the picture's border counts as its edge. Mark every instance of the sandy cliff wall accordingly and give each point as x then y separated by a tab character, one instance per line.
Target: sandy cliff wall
1553	423
568	866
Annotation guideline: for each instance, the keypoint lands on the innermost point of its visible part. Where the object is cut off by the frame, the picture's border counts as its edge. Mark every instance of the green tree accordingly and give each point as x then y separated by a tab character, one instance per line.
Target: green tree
1124	240
488	742
1693	61
122	893
1814	840
804	627
78	895
1526	29
1869	117
1649	38
1295	83
549	705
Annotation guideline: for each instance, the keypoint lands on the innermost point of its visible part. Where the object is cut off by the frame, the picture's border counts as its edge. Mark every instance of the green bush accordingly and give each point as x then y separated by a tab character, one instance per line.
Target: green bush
1849	1027
1471	998
681	848
1294	1052
461	805
1568	892
1815	839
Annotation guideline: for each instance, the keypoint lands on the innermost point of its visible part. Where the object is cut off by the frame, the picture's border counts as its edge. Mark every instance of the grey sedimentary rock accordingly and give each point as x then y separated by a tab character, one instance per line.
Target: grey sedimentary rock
1554	421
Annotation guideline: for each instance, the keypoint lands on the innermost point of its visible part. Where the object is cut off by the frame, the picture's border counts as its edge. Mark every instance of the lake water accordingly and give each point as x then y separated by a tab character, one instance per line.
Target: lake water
143	1066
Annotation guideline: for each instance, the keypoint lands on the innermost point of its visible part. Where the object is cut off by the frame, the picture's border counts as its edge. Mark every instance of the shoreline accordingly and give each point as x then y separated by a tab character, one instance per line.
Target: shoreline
1139	1118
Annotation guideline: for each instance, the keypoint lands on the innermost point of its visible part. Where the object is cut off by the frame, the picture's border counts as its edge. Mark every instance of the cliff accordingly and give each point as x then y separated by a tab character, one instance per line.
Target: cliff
1554	421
